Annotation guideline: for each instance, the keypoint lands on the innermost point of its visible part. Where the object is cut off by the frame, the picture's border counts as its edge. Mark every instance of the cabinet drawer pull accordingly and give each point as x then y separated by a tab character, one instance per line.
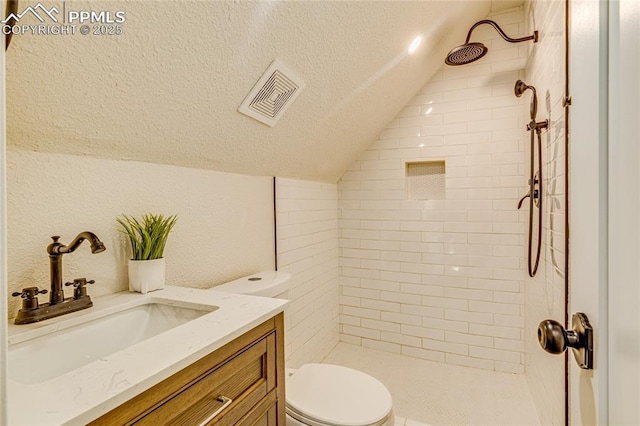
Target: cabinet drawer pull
226	401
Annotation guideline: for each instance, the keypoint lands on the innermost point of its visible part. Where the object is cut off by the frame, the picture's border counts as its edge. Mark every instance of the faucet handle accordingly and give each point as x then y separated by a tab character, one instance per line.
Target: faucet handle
79	285
79	282
30	297
29	292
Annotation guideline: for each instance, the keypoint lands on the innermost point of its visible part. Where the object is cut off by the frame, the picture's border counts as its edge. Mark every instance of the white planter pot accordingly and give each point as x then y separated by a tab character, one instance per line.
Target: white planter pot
146	275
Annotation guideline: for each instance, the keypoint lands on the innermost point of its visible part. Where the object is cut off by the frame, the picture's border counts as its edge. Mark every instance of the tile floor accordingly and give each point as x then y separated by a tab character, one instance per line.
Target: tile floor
433	393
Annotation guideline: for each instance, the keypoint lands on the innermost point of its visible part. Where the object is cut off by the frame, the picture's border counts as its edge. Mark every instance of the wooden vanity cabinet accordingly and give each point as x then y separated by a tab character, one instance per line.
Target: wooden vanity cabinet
246	376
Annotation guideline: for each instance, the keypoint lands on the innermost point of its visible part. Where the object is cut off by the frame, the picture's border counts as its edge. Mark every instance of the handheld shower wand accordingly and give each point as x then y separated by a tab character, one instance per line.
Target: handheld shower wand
535	177
519	90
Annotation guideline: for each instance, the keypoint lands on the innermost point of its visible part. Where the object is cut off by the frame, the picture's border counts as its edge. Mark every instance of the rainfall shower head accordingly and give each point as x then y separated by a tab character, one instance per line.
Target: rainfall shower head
470	52
466	53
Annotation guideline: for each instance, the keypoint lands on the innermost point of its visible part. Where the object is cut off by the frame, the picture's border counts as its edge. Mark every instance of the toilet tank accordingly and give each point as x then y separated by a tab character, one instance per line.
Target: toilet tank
266	284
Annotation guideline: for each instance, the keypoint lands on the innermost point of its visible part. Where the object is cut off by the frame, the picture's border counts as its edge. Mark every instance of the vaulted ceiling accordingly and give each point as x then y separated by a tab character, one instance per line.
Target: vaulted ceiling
167	89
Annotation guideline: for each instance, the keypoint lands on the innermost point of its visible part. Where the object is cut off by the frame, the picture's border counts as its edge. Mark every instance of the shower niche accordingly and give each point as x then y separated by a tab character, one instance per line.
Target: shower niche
425	180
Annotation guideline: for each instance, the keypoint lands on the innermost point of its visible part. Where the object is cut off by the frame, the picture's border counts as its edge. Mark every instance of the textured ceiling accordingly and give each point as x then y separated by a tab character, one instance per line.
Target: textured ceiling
167	90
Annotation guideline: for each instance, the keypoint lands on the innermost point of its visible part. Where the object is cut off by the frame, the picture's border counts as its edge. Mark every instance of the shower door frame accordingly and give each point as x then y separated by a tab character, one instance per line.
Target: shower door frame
624	213
587	175
605	207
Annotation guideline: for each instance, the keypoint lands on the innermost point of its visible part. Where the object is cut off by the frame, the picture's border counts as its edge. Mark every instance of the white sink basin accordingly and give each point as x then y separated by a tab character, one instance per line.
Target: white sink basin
75	343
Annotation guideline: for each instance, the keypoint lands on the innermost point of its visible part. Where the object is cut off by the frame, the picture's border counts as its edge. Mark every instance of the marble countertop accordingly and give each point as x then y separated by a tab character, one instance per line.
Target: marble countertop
89	391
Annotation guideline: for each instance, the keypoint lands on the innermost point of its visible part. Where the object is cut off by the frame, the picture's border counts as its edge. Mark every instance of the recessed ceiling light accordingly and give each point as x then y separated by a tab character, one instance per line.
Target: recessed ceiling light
414	44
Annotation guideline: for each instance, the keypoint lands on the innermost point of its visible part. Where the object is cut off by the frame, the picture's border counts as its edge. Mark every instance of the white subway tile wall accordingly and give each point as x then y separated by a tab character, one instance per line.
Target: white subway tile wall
443	280
307	229
545	295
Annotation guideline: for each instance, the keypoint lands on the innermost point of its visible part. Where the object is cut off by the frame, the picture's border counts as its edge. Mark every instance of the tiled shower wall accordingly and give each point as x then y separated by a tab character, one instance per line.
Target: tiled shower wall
307	239
545	294
443	279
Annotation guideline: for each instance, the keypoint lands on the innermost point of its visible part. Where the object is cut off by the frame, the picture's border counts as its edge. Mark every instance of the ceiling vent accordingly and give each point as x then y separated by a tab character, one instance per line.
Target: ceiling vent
272	95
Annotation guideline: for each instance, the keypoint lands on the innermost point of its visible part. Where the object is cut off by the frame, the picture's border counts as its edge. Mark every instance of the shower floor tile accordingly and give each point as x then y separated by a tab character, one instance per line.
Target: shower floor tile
434	393
400	421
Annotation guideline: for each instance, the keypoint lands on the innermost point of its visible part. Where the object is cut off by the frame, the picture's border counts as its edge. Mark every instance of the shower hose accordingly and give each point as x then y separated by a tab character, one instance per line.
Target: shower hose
533	180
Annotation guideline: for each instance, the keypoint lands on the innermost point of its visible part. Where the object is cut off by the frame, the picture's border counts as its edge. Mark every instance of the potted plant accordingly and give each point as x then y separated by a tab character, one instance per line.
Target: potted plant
148	237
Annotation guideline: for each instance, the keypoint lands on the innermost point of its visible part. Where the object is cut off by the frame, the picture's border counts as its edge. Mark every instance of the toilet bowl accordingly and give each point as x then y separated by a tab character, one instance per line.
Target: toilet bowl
321	394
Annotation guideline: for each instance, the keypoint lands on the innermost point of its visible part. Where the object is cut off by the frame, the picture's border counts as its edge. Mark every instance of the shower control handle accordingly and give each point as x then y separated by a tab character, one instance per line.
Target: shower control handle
555	339
535	189
528	194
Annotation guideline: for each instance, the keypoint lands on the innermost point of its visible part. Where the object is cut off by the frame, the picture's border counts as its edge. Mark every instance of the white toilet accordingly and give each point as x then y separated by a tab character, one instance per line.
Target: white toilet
321	394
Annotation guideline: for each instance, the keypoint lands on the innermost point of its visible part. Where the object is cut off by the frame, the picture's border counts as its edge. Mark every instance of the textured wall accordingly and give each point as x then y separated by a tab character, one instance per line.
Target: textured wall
545	293
307	214
172	82
224	230
443	279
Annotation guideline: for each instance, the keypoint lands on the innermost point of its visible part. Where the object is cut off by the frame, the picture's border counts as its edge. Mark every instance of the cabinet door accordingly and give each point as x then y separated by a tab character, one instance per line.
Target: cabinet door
247	371
264	414
268	419
221	397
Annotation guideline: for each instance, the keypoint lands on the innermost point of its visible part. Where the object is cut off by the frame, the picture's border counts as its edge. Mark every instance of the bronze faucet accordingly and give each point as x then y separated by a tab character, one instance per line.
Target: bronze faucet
56	250
31	310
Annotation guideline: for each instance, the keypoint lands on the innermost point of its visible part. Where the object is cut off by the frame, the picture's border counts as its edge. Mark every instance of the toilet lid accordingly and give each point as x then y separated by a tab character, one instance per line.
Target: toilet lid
335	395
